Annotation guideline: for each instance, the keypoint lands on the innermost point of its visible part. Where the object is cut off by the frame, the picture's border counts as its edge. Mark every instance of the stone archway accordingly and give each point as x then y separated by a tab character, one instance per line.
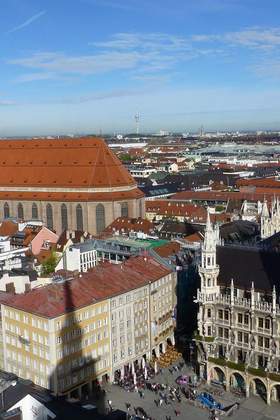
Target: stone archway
258	387
217	374
275	393
238	382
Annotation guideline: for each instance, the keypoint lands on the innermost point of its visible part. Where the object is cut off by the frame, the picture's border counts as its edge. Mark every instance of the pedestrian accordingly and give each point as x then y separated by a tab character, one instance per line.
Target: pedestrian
128	405
177	413
156	402
110	405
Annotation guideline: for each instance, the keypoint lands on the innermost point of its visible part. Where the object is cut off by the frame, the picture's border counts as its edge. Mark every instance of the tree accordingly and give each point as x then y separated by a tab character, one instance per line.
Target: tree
49	265
125	157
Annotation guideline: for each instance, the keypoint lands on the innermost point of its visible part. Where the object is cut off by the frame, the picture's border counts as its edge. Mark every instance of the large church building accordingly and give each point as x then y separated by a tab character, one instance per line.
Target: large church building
69	184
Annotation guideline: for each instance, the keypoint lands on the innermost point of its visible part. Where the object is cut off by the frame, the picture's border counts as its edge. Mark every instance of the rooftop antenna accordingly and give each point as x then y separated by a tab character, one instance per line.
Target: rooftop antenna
137	121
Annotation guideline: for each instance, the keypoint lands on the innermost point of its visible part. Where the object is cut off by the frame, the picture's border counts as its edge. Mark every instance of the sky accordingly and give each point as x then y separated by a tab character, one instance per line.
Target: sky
89	66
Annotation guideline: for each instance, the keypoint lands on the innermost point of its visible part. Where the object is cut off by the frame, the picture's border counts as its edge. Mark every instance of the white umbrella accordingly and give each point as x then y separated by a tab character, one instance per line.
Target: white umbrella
156	367
145	373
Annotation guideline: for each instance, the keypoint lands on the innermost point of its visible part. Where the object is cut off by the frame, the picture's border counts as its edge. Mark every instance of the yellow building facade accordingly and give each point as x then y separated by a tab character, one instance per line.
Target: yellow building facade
64	353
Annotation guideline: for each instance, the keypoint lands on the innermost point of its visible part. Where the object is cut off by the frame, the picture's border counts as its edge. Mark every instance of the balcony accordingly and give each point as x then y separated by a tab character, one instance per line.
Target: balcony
217	361
207	339
257	372
242	344
240	302
274	377
236	366
223	321
227	363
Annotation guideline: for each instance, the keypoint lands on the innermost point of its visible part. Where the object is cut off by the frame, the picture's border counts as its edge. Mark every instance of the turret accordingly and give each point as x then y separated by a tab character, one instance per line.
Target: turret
209	270
265	221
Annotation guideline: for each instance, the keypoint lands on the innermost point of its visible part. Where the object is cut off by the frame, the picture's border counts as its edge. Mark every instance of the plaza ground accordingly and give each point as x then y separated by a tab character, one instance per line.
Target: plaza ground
253	408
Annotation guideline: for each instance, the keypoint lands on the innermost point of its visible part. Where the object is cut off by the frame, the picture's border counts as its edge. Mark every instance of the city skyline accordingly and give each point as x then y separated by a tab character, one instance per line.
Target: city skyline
90	65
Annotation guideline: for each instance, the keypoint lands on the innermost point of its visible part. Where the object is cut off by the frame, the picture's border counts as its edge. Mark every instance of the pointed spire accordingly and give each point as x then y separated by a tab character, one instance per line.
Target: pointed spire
208	221
265	212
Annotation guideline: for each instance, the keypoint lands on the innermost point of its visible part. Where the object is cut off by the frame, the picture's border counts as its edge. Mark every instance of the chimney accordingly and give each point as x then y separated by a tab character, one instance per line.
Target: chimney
10	288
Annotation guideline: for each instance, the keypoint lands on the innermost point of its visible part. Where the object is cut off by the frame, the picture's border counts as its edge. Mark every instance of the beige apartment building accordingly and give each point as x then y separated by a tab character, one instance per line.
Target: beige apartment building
141	320
68	334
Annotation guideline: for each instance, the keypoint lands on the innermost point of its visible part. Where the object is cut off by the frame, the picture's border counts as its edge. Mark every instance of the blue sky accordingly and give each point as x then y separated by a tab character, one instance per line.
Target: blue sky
70	66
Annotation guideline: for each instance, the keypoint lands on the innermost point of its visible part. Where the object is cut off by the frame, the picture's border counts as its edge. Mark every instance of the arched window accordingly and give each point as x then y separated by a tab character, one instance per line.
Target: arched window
49	212
100	218
20	211
64	217
79	217
124	210
6	211
34	211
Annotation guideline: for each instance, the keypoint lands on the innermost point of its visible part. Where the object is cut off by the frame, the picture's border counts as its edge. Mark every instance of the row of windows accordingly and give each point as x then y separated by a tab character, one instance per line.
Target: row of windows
82	373
77	346
100	215
79	317
27	361
38	323
81	331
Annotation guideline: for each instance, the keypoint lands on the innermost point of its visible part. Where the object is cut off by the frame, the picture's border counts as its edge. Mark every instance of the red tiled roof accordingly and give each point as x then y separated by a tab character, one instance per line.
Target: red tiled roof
102	282
221	195
30	234
127	224
74	236
194	237
259	182
170	208
8	228
69	196
167	250
80	162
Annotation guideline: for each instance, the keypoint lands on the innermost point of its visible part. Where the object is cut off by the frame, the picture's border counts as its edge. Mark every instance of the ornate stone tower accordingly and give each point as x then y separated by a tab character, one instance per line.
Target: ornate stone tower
209	269
270	222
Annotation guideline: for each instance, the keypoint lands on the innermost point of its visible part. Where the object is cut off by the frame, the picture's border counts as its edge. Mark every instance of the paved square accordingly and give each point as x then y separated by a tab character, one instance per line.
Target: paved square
250	409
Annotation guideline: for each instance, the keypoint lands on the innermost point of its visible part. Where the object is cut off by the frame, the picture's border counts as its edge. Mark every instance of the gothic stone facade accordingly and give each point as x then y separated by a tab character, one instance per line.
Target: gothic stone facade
238	330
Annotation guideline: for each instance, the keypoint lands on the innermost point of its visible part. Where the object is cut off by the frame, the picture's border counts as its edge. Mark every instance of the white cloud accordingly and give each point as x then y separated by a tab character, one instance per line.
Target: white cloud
6	102
252	38
147	55
32	77
27	22
268	67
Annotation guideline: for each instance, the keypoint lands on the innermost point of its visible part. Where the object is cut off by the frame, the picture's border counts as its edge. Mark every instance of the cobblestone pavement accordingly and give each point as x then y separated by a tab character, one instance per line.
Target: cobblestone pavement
251	409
